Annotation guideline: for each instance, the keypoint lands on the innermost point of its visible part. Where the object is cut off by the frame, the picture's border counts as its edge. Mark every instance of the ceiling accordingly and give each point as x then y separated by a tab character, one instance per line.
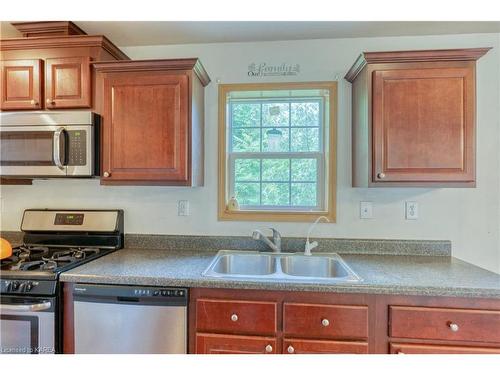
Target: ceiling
131	33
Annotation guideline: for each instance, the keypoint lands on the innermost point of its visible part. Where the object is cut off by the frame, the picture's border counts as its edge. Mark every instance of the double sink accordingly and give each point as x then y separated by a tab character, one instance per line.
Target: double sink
232	264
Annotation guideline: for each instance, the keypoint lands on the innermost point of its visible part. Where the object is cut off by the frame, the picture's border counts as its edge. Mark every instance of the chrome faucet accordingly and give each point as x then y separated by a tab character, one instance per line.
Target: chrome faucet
275	244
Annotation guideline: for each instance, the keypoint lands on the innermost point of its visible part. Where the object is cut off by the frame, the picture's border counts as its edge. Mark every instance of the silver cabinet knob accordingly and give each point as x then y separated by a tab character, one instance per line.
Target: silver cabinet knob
34	102
400	352
325	322
50	101
381	175
234	318
290	349
106	174
269	349
453	326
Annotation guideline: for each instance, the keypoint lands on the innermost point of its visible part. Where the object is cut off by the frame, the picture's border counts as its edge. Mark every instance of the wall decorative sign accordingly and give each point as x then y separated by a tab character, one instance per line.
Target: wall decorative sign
266	70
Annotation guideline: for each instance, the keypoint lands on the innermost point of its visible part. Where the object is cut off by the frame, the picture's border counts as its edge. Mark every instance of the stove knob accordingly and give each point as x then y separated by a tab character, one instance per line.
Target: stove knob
14	285
28	286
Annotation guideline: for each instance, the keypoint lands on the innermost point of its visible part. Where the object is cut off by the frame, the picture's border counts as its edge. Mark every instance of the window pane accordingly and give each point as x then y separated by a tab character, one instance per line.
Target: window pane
303	194
247	194
245	114
305	114
246	140
275	194
276	170
305	140
275	114
278	144
247	170
304	169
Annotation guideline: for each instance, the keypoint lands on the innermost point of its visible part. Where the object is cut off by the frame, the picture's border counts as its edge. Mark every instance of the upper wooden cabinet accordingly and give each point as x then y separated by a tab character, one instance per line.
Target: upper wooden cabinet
21	84
152	121
67	83
414	118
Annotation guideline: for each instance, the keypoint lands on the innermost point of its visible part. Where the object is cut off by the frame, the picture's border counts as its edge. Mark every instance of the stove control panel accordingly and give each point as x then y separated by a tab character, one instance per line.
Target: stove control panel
31	287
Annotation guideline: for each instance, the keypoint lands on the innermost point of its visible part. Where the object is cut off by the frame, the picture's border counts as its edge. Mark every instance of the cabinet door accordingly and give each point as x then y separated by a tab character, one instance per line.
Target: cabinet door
67	83
145	130
230	344
294	346
21	85
423	125
439	349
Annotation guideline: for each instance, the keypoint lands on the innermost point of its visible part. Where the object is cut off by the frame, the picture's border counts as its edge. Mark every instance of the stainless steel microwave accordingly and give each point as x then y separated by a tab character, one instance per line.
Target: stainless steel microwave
49	144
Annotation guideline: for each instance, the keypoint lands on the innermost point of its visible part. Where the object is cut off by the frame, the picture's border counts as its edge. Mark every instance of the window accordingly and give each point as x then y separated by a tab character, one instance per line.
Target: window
276	154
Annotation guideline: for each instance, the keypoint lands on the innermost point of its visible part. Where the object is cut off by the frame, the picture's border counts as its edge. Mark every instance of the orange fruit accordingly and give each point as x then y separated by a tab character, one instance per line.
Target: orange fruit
5	248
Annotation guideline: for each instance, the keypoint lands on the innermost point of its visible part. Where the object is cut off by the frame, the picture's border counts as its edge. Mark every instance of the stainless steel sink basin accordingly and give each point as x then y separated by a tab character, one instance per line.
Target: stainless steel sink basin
245	264
314	266
280	267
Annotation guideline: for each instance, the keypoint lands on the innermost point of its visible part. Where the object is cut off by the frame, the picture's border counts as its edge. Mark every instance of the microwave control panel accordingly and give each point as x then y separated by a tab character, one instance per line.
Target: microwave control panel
77	146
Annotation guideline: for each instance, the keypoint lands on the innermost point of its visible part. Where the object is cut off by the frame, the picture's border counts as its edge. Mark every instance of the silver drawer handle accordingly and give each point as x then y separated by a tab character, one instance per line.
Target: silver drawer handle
325	322
34	307
269	349
290	349
453	326
234	318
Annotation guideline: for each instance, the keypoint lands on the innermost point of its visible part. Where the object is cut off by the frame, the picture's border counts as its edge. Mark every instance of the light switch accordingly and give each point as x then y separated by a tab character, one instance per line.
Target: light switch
411	210
366	210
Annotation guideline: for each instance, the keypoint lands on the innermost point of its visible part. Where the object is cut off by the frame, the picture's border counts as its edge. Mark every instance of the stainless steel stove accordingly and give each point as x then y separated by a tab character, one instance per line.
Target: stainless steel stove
54	241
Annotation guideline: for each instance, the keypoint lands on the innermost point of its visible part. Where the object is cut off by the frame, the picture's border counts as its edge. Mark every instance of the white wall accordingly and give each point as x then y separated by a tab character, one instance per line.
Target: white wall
470	218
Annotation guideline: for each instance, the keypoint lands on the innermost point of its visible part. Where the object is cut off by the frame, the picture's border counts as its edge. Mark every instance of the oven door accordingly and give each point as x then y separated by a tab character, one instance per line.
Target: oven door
27	325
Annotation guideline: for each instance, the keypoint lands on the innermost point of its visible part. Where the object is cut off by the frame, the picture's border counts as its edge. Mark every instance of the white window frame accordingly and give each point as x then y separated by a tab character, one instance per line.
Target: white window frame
318	155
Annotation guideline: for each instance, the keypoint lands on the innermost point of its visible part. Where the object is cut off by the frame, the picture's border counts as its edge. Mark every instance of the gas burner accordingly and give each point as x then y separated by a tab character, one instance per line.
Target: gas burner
30	266
80	253
31	252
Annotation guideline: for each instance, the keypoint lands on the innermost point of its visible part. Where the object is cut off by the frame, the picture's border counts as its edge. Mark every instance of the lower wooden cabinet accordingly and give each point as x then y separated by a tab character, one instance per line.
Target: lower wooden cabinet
288	322
296	346
232	344
439	349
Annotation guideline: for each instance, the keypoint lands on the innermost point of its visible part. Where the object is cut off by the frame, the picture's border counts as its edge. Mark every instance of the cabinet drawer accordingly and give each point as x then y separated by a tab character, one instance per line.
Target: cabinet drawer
234	316
295	346
231	344
444	324
439	349
325	321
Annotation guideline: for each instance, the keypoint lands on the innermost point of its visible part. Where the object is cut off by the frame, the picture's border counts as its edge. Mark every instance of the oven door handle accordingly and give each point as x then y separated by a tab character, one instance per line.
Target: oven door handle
57	148
30	308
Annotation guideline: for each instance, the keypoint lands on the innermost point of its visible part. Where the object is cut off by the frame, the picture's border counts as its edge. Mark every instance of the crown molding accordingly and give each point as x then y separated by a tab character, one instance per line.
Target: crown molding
464	54
66	41
193	64
45	28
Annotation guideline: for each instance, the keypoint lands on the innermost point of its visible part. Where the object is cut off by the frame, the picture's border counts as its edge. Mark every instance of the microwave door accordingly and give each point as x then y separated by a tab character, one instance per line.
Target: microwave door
33	151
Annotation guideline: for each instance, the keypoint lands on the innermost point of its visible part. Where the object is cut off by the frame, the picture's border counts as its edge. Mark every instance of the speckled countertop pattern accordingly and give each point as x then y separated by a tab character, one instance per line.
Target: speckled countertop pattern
381	274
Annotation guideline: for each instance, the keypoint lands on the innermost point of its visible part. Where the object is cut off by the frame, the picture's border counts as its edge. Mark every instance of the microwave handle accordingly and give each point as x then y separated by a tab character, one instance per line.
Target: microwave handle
57	147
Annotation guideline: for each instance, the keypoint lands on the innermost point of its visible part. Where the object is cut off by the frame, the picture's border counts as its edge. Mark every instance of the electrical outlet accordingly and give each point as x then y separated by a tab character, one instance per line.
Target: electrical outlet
365	210
411	210
182	208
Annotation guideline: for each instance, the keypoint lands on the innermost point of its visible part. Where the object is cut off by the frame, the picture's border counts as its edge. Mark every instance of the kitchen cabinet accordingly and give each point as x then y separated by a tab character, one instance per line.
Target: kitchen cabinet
329	323
67	83
274	322
413	118
152	122
22	82
231	344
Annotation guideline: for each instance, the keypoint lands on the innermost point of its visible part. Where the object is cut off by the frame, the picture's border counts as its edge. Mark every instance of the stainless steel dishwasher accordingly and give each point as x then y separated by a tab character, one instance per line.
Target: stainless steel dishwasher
130	319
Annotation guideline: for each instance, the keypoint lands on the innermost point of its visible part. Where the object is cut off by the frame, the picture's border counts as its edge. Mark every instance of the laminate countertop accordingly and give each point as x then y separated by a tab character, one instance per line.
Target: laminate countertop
381	274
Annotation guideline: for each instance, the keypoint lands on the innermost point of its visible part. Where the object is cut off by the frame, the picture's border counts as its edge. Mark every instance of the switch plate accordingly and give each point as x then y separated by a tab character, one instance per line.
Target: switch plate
183	208
365	210
411	210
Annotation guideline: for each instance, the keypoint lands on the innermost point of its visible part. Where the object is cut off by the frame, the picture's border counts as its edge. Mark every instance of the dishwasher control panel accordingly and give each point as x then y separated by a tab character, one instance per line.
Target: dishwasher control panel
130	294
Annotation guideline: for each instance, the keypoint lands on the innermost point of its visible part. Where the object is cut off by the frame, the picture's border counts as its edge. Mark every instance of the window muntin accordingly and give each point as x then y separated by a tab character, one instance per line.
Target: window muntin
287	173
